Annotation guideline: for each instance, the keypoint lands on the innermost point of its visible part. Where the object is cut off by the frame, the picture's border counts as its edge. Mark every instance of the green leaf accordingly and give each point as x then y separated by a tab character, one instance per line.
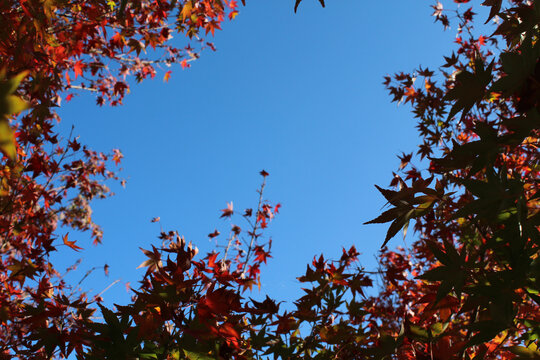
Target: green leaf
438	253
11	104
8	87
110	318
524	353
474	153
444	289
417	333
518	67
495	8
438	328
148	356
481	207
535	297
387	343
437	274
7	140
192	355
397	225
389	195
487	330
388	215
469	88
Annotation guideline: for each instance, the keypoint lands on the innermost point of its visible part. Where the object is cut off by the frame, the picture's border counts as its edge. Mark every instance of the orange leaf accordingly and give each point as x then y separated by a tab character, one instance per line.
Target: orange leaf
71	244
167	76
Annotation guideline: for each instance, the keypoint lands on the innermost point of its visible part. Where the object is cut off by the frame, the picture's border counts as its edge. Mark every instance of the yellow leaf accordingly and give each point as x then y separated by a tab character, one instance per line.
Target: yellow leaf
8	87
186	10
12	105
7	140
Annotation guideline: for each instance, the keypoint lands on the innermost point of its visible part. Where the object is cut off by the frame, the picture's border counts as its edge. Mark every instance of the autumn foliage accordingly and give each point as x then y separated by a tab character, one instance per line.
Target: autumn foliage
467	288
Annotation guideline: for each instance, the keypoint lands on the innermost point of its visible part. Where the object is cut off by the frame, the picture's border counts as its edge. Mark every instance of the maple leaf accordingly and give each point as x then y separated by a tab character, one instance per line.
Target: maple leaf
438	9
9	104
228	211
405	159
428	85
78	68
495	8
260	254
481	40
8	145
167	76
154	259
212	26
218	302
469	88
261	219
186	10
450	60
469	14
409	94
184	64
71	244
268	306
236	229
117	156
230	334
214	234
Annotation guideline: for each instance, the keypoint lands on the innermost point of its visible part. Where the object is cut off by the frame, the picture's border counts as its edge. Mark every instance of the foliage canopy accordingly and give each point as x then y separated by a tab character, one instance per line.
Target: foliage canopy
467	288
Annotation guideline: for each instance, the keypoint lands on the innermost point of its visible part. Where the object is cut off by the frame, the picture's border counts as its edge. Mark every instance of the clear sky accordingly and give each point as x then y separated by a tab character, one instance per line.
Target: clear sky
298	95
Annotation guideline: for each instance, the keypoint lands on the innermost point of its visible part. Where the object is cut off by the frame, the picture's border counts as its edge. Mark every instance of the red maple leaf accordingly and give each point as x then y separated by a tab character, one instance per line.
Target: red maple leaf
228	211
78	68
261	255
184	64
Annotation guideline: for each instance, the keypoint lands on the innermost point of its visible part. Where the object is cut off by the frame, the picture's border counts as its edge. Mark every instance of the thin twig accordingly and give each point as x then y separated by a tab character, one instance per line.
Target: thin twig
108	287
255	226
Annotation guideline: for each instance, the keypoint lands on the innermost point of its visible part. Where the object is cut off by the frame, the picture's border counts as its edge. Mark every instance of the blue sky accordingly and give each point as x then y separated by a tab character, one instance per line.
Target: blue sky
299	95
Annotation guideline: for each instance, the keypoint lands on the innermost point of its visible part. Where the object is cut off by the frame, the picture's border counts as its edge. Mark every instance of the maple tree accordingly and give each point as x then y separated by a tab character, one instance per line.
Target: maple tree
56	49
467	288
